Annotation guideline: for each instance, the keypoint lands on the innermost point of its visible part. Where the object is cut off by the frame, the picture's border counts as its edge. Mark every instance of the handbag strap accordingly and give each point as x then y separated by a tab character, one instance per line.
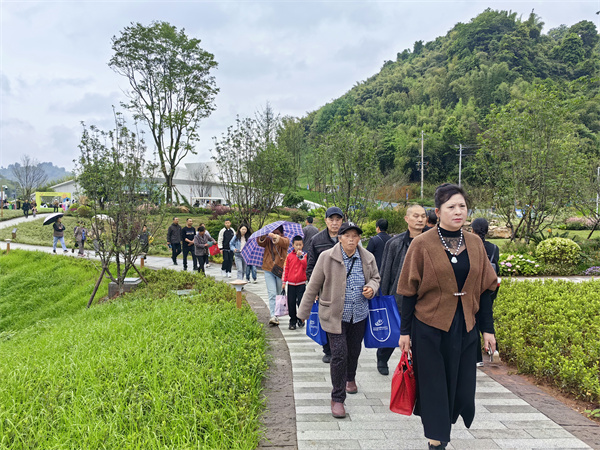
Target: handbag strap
351	266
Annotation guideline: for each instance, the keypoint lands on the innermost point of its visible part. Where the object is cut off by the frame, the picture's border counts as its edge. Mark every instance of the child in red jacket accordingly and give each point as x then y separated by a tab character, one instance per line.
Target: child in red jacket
294	274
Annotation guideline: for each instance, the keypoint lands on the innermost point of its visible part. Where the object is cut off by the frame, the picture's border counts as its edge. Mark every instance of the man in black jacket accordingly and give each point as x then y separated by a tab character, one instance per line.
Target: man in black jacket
377	242
391	266
324	240
187	241
174	239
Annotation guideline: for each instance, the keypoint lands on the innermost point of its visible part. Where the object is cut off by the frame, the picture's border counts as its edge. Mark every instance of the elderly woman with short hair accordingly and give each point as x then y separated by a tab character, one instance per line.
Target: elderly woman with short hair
344	277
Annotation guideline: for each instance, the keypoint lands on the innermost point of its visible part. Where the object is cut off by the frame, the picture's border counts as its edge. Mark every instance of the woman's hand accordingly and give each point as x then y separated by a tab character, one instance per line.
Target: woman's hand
489	342
368	292
404	343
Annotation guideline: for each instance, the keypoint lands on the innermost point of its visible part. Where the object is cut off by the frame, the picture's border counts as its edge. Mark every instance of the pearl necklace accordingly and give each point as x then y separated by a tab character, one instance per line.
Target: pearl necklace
453	259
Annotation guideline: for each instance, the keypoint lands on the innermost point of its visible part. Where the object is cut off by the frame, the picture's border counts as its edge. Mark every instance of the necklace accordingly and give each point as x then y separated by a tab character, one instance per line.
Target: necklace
453	259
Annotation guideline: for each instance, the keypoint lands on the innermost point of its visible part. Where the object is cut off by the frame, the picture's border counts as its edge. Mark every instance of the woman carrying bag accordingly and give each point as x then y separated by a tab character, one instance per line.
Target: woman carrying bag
446	280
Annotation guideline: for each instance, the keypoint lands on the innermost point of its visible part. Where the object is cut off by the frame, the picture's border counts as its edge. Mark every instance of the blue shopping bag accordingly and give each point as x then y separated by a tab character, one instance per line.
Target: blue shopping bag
313	326
383	323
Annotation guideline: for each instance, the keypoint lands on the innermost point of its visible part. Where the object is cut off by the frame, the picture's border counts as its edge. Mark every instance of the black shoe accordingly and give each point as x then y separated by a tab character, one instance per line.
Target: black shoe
292	326
54	251
174	263
326	359
442	446
382	367
300	323
185	268
72	250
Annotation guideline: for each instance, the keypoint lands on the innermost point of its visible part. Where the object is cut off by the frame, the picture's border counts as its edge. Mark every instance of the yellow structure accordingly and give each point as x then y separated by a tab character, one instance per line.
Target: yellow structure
48	197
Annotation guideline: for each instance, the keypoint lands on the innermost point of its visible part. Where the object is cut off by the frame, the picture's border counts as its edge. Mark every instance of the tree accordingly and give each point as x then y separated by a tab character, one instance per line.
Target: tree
29	175
348	173
255	171
530	160
171	87
202	177
291	139
118	182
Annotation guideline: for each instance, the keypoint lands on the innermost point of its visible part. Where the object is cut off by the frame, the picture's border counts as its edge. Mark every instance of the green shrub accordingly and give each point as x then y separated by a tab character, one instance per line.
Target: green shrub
298	216
558	251
517	264
292	200
550	329
84	211
395	218
214	226
369	229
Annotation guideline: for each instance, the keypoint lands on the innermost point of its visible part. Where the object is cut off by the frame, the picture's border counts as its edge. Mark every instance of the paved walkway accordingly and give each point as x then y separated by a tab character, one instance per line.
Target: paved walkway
503	420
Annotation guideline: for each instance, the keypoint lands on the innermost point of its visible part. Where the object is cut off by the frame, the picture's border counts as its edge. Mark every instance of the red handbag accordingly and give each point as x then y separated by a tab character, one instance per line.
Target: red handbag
214	250
404	387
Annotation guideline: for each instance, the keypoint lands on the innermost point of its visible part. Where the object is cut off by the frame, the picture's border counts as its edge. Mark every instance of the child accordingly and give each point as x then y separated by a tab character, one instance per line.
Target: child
295	275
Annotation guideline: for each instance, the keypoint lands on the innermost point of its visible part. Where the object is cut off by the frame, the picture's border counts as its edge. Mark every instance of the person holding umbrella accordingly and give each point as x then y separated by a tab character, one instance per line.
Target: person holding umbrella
276	246
345	277
59	232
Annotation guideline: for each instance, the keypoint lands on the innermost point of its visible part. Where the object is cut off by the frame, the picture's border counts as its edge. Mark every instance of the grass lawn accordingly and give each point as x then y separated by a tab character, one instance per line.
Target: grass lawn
147	371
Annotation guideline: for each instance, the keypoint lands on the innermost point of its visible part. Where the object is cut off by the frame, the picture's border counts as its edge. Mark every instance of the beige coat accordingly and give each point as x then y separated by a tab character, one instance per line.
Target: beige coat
328	280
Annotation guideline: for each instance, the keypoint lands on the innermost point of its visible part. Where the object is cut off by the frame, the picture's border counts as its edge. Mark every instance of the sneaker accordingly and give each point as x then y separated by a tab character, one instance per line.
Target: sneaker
228	274
479	364
207	265
255	282
326	359
54	251
274	321
66	251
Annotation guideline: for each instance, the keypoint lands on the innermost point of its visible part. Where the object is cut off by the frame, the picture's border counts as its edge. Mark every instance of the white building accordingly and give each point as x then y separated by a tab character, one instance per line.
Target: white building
198	182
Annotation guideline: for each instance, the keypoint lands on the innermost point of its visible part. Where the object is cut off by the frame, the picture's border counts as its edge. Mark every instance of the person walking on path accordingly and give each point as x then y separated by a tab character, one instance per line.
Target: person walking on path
431	220
275	245
237	245
26	206
446	279
59	235
80	236
201	240
206	256
391	266
480	227
309	230
174	239
225	236
346	276
294	274
324	240
187	241
55	205
377	242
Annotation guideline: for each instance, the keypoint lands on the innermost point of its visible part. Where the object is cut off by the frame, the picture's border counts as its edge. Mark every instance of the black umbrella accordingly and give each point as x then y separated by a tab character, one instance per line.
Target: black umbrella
53	218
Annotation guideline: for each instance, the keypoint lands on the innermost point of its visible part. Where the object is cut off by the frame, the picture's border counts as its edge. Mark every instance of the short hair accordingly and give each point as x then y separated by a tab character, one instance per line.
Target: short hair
432	217
480	227
445	191
227	219
189	218
201	229
382	224
174	217
297	238
309	219
413	207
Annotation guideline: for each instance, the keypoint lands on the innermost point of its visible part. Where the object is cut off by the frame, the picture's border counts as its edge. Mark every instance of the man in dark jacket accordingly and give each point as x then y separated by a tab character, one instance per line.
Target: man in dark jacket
26	207
225	236
391	266
324	240
187	241
309	231
377	242
174	239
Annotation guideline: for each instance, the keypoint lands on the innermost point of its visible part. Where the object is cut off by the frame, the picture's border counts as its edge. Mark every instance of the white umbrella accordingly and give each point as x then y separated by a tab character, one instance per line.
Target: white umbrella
52	218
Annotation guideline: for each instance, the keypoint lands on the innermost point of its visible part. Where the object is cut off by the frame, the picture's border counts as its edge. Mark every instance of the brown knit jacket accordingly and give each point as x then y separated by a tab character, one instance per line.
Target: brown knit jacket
428	273
279	251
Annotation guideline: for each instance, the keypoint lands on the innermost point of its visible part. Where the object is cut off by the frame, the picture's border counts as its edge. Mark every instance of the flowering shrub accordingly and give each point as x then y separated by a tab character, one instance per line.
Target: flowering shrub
578	223
219	210
517	264
592	271
559	251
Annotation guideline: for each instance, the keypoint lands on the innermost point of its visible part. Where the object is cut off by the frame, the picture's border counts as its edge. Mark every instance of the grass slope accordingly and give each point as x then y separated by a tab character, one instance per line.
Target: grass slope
149	371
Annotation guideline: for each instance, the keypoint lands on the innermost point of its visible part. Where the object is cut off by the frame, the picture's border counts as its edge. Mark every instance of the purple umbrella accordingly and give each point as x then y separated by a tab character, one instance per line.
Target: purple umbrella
253	253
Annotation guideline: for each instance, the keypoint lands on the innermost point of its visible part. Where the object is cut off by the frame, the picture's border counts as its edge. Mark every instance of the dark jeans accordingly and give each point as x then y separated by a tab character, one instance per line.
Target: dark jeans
189	249
294	296
175	251
26	213
227	260
200	261
250	269
55	208
345	350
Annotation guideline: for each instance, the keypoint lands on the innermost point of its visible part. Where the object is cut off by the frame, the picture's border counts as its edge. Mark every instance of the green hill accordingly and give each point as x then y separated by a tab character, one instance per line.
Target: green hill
447	87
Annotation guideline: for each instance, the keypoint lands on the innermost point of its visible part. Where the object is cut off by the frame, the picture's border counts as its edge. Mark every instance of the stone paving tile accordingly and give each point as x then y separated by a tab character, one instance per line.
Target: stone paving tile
405	444
530	424
512	409
328	445
480	444
540	443
309	426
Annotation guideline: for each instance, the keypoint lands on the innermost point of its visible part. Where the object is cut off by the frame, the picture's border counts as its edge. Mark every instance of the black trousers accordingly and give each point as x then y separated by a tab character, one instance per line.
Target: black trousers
384	355
227	260
200	262
186	250
294	296
345	350
175	251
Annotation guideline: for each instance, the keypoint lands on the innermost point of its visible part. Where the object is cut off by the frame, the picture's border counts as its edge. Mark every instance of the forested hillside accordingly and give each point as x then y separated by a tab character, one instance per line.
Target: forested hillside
451	87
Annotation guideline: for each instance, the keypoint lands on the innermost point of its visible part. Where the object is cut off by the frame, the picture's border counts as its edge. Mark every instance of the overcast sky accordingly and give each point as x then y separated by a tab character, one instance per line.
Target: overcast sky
296	55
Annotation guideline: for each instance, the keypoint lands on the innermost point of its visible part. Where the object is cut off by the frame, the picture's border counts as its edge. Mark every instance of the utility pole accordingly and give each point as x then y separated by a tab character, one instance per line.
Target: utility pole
422	167
460	148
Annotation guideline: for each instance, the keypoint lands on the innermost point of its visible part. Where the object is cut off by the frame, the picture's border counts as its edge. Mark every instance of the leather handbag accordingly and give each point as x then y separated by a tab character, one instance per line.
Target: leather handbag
383	322
277	270
404	387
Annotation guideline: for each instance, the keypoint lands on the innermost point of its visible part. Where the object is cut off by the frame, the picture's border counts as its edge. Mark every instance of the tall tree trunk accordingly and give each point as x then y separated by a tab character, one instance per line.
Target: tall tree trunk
96	287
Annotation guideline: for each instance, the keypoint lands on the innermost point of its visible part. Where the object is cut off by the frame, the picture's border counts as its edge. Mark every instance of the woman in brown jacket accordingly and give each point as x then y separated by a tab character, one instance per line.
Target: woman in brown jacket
446	280
344	277
276	247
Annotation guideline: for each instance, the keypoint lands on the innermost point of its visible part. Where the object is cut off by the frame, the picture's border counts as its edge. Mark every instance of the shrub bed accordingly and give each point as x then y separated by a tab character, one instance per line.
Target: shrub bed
149	370
550	329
